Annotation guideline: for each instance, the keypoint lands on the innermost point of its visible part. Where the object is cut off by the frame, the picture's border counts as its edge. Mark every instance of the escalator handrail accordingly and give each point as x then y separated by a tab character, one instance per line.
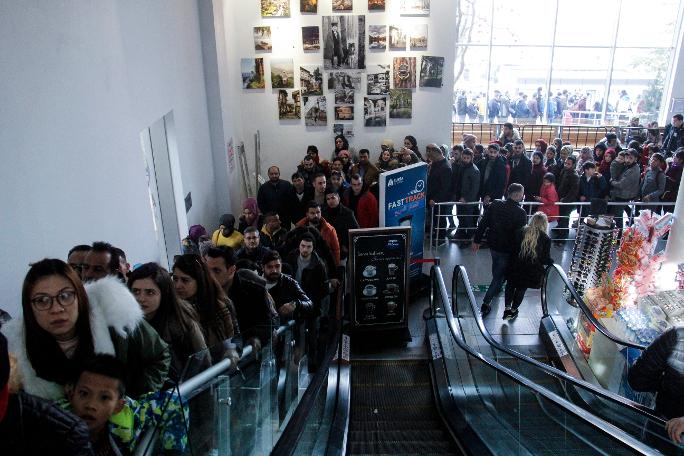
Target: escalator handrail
460	271
582	306
600	425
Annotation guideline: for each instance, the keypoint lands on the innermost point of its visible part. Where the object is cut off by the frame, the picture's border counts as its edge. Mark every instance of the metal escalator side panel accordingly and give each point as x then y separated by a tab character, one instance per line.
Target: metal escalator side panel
336	442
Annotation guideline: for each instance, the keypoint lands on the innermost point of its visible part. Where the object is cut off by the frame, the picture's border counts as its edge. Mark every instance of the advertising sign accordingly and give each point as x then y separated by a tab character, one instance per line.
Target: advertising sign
379	273
402	203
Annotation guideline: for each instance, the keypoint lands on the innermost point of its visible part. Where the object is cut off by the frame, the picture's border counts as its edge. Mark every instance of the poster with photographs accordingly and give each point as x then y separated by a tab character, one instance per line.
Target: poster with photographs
378	79
343	129
415	7
344	97
375	111
282	74
376	5
344	39
315	111
431	69
311	80
275	8
400	104
262	39
344	80
397	38
289	104
377	37
404	73
308	6
419	37
344	112
311	40
252	73
343	5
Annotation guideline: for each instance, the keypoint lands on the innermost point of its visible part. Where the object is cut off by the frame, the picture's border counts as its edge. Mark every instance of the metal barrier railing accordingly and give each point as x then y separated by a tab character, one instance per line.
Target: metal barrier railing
445	215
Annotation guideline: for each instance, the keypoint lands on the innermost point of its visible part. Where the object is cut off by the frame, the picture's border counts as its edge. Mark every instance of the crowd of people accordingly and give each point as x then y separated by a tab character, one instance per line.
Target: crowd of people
106	341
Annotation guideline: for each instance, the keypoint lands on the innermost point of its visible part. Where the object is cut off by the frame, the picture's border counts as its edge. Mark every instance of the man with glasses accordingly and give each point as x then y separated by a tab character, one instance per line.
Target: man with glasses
252	250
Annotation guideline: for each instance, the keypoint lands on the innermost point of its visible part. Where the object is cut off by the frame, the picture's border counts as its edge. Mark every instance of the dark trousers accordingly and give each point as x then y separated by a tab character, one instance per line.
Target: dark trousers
618	210
514	295
467	220
439	222
561	231
499	264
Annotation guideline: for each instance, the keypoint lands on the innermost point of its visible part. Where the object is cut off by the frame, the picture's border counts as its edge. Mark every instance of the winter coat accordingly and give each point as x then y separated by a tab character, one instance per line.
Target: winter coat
371	175
34	426
342	219
520	174
568	186
624	185
273	198
596	187
535	180
439	181
500	220
673	179
272	240
660	369
549	198
329	236
118	328
367	210
256	255
525	272
653	184
297	208
314	277
495	184
285	290
467	186
254	307
673	139
509	139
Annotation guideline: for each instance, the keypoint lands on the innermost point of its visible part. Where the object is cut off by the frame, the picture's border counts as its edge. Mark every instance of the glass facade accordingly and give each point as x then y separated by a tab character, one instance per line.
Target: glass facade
572	62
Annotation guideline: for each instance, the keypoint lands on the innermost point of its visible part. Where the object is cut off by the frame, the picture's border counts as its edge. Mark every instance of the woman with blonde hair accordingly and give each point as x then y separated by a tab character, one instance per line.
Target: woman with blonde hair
530	255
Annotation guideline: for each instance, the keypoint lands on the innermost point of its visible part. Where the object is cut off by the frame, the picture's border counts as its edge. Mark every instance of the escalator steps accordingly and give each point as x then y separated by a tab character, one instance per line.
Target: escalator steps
393	411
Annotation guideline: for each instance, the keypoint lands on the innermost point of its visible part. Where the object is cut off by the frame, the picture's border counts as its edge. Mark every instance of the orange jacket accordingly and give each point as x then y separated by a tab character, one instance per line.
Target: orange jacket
329	235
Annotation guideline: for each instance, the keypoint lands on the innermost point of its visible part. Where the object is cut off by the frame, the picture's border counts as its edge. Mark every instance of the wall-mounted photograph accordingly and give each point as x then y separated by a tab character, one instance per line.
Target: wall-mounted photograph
375	111
289	104
344	97
378	79
343	5
315	111
275	8
343	129
311	80
252	73
308	6
311	40
282	74
344	39
262	39
419	37
404	72
344	112
377	37
400	103
397	38
431	69
344	80
415	7
376	5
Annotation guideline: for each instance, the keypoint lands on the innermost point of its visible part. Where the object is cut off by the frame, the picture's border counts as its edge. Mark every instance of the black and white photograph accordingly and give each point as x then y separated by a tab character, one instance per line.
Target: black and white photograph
344	80
315	111
375	111
378	79
400	104
308	6
377	37
415	7
404	72
343	129
397	38
419	37
343	5
282	74
275	8
431	69
344	112
311	80
262	39
311	40
344	39
344	97
376	5
252	73
289	104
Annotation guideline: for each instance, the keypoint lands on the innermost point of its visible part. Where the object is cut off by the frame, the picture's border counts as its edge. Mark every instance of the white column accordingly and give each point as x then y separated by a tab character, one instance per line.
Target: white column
674	250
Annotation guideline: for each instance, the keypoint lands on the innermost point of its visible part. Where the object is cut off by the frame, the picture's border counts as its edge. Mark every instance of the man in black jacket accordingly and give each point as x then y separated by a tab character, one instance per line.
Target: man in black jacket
438	188
341	218
568	192
252	250
298	198
521	166
492	175
272	196
502	219
467	190
290	300
673	138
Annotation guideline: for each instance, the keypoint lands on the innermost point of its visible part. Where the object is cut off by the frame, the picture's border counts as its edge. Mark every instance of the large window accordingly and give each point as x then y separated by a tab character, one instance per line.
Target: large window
584	62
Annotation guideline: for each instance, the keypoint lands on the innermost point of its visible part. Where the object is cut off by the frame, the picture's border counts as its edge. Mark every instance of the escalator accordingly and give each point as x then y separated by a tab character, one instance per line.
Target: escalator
636	420
459	401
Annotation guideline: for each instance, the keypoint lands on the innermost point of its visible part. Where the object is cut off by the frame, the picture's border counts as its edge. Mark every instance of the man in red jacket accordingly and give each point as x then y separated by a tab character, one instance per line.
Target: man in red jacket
328	233
362	202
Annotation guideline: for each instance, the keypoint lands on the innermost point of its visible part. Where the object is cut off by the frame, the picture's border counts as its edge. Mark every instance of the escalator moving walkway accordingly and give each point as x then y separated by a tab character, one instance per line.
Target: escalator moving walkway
393	410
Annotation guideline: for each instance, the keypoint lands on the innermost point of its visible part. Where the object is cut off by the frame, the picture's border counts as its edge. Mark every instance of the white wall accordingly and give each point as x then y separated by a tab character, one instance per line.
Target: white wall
285	142
80	80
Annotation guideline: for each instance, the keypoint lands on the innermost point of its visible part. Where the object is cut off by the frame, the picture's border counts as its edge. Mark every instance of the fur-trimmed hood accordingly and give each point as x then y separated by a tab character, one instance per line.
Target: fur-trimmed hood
111	306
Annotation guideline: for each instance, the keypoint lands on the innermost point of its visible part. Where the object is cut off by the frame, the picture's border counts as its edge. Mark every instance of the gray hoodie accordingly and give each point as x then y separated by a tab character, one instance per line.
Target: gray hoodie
624	184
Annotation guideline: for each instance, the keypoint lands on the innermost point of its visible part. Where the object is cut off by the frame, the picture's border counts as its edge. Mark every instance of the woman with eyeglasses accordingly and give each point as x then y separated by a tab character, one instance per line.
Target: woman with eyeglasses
175	320
195	284
64	323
